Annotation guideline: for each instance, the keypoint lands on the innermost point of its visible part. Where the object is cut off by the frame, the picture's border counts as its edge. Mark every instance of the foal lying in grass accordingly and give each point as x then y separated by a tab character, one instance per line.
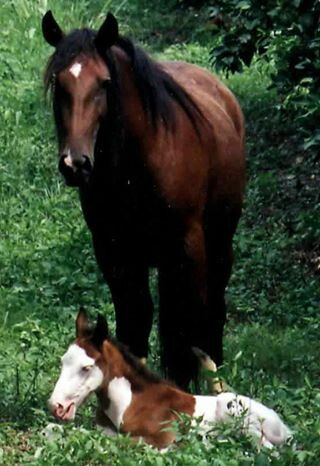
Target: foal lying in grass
133	400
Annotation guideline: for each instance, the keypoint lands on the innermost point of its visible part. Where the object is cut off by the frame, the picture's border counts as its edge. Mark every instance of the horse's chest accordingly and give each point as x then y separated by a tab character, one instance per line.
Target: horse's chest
135	218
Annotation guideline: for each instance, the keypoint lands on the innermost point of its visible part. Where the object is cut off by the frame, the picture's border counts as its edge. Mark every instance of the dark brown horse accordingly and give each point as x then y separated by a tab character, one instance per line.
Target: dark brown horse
157	152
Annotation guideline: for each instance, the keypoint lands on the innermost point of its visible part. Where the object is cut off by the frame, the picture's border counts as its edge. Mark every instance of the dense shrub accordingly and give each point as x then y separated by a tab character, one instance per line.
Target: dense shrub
286	32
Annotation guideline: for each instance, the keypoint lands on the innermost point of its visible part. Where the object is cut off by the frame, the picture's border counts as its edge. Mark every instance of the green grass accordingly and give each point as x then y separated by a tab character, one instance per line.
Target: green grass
47	266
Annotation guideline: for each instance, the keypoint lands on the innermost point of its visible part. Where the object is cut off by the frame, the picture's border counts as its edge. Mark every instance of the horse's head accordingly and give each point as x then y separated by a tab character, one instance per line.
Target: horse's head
79	77
83	369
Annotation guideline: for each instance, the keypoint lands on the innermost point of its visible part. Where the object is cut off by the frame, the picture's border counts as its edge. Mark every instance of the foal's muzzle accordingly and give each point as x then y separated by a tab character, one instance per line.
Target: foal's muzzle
64	412
75	171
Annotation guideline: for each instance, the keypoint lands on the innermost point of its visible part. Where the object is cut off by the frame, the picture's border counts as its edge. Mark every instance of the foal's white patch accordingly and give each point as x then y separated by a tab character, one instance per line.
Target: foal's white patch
258	420
120	396
205	407
75	69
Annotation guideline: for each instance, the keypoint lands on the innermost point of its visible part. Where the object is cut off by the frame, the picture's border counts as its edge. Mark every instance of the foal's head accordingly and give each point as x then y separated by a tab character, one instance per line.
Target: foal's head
83	368
79	78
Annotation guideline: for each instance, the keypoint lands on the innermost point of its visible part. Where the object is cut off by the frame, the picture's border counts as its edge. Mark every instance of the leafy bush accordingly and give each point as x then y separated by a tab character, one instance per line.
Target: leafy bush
285	32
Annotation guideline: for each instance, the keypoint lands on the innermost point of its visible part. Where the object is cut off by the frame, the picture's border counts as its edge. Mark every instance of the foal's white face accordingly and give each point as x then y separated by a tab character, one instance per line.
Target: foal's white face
79	377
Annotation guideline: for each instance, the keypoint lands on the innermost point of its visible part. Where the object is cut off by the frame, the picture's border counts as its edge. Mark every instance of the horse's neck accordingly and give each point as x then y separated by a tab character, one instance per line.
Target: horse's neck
118	151
121	156
136	122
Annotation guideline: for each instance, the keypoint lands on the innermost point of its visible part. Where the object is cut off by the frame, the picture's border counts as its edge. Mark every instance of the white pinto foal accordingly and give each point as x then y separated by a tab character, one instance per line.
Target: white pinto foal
133	400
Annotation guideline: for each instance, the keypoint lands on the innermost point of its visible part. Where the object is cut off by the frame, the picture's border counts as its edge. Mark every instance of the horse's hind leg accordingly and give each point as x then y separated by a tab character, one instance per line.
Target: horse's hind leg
219	270
129	286
220	229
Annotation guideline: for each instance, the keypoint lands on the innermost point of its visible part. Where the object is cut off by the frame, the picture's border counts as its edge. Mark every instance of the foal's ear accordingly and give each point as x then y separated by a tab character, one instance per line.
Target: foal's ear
101	331
82	324
108	33
51	30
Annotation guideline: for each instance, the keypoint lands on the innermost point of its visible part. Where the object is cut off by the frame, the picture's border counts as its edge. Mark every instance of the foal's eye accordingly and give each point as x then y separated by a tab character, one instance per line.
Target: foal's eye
86	368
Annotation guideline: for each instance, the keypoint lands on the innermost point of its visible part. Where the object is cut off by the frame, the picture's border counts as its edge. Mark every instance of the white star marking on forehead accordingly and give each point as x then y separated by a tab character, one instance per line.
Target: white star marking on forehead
75	69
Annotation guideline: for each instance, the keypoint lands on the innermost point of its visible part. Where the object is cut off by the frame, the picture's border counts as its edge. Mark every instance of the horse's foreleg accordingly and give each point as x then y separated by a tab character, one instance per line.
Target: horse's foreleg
104	424
133	307
183	297
129	286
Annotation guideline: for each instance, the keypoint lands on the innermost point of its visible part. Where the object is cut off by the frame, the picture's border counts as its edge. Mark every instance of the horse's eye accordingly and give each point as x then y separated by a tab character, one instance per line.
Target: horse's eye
105	83
86	368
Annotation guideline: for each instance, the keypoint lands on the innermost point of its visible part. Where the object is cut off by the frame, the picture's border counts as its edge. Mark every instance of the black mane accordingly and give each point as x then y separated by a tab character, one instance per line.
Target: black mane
157	89
139	368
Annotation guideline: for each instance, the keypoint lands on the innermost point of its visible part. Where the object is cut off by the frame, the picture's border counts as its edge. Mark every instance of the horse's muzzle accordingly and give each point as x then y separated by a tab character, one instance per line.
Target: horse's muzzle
76	172
64	412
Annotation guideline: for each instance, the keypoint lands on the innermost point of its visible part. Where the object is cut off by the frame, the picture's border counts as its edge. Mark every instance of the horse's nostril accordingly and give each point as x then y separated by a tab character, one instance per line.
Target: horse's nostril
59	409
78	162
86	163
76	169
81	163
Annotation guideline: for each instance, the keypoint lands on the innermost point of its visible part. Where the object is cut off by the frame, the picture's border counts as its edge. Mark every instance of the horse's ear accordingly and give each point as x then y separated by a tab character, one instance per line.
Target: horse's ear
108	34
51	30
101	331
82	324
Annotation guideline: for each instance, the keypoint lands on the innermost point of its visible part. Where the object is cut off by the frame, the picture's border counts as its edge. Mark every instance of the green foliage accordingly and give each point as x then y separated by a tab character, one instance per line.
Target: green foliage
288	34
47	266
277	242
